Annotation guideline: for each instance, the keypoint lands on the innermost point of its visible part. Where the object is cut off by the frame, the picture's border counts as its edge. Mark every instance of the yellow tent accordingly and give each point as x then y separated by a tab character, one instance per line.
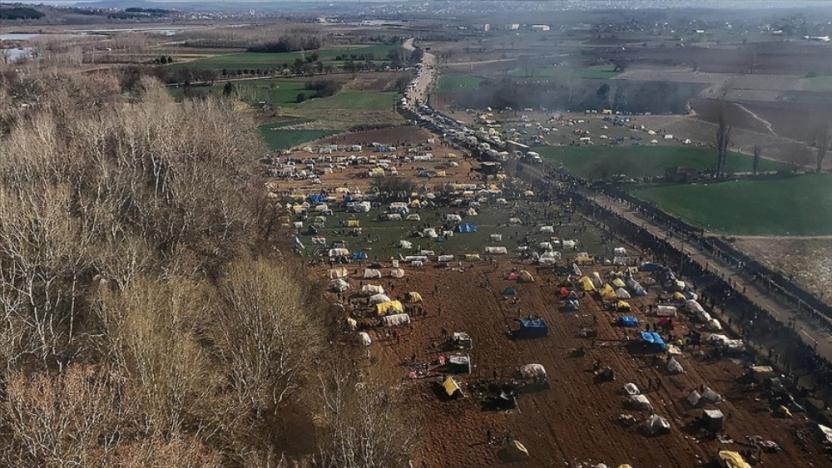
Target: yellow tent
608	293
414	297
586	284
441	173
782	412
390	307
472	257
451	387
298	209
731	459
525	276
583	258
618	283
622	306
677	296
353	223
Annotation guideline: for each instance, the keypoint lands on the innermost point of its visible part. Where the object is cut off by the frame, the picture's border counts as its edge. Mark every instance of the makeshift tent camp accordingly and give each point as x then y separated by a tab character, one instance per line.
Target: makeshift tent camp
583	258
586	284
654	425
596	279
622	306
607	293
359	255
397	273
364	339
389	307
466	228
339	252
618	283
665	311
731	459
653	341
531	328
622	293
452	389
413	297
627	321
353	223
395	320
453	218
496	250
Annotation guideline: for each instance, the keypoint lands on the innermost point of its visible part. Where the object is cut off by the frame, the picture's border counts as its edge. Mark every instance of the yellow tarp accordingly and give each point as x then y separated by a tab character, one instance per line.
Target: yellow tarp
678	296
608	293
731	459
450	386
298	209
389	307
440	174
413	296
618	283
586	284
525	276
583	259
472	257
353	223
622	305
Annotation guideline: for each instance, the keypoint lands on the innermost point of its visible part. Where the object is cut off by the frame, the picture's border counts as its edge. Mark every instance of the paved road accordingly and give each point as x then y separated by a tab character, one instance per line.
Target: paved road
811	333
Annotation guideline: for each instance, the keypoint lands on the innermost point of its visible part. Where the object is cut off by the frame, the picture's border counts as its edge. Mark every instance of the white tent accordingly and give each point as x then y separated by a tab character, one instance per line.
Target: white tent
403	244
665	311
445	258
430	233
339	285
370	289
395	320
545	246
569	244
639	402
454	218
622	293
694	398
397	273
711	396
674	367
338	273
496	250
364	339
631	389
714	325
596	280
340	252
496	237
547	229
379	298
371	273
655	425
531	371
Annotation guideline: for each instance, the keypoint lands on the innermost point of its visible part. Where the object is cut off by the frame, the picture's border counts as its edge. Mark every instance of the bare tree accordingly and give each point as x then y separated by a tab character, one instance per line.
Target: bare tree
755	159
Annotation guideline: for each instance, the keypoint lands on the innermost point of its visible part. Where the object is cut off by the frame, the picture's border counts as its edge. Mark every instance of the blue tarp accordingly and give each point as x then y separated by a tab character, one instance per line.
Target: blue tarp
627	321
317	198
572	305
359	255
647	266
653	339
509	292
466	228
532	328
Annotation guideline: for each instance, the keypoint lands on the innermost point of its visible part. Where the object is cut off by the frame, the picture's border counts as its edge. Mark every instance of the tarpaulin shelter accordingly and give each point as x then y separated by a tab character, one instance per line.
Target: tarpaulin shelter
607	293
317	198
586	284
353	223
533	371
665	311
654	425
395	320
514	450
525	277
496	250
627	321
532	328
571	305
472	257
653	340
371	273
396	273
618	283
731	459
452	389
564	292
631	389
379	299
639	402
460	363
622	293
370	289
414	297
647	266
389	307
339	285
674	367
338	273
509	292
466	228
359	256
364	339
596	279
622	306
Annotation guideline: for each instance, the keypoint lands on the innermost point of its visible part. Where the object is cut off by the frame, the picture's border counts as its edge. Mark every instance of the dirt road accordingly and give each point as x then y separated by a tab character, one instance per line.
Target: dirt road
427	71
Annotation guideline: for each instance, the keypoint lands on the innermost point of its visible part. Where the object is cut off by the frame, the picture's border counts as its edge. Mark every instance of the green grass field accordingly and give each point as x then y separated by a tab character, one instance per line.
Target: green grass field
458	82
280	92
355	100
818	83
278	138
600	162
597	72
266	60
799	205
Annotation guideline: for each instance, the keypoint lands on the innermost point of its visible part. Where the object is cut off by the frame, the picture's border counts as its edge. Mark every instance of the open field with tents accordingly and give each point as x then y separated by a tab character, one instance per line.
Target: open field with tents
602	161
794	206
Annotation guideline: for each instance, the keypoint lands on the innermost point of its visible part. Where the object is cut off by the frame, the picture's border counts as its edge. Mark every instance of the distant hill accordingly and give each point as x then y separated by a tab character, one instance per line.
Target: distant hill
19	12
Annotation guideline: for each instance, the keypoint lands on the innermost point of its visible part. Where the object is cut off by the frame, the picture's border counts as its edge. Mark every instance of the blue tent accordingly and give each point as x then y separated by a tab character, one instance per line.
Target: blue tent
466	228
572	305
359	255
653	340
317	198
509	291
532	328
647	266
627	321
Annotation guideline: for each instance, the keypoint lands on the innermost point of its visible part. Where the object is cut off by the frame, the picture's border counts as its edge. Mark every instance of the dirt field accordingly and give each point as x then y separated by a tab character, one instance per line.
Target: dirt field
575	421
806	259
